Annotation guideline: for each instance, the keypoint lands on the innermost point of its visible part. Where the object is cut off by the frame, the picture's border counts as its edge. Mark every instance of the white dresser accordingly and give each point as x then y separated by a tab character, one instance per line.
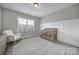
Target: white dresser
2	44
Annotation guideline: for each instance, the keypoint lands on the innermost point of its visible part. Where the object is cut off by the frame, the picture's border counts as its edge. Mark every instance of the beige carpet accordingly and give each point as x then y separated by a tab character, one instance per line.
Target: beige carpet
38	46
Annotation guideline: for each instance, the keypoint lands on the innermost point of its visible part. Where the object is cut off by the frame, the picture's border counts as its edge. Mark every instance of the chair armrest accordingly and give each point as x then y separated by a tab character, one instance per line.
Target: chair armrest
10	38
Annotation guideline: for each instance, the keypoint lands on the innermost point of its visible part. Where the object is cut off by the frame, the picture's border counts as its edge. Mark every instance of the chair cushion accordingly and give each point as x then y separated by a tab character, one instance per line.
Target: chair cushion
8	33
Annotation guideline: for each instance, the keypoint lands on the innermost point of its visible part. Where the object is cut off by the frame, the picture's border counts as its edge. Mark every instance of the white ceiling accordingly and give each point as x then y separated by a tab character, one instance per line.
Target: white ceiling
43	10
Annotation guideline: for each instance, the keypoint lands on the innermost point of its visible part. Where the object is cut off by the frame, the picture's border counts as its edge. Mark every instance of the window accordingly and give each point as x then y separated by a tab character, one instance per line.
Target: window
21	21
30	22
25	25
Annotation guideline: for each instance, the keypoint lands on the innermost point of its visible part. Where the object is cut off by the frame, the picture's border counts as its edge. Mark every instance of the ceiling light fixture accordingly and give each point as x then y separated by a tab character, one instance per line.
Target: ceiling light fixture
36	5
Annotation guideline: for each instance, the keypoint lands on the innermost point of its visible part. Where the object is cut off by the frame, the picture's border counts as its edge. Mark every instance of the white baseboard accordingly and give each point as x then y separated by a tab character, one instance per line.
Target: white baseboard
30	36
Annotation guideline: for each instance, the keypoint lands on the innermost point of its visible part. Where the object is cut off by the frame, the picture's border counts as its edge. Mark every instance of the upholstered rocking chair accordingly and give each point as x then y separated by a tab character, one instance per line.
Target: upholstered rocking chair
10	36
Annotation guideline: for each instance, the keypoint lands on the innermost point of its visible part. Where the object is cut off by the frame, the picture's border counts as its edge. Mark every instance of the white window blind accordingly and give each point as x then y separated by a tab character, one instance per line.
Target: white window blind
21	21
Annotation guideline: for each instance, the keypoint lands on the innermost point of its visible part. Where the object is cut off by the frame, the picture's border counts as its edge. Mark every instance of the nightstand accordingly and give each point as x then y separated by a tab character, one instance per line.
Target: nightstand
2	44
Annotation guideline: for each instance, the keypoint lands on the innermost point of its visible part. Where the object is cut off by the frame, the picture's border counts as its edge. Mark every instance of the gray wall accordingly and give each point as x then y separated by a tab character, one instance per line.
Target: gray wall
67	23
0	20
9	20
68	13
